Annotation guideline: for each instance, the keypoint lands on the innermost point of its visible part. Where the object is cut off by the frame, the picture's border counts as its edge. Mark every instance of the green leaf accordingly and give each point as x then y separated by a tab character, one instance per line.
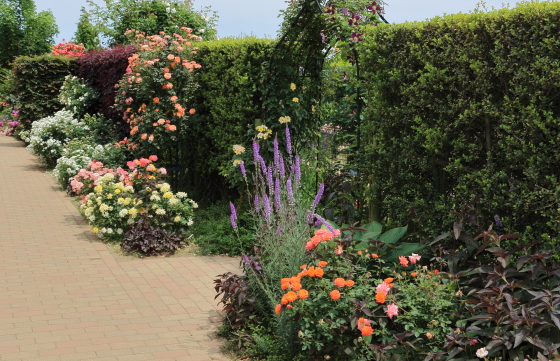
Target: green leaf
393	235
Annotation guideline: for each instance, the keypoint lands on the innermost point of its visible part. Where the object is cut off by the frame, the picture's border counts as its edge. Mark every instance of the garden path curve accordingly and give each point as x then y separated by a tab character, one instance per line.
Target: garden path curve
64	296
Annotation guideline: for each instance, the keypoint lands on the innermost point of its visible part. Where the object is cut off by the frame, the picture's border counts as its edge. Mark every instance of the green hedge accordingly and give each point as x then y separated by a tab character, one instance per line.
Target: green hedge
467	105
227	103
37	83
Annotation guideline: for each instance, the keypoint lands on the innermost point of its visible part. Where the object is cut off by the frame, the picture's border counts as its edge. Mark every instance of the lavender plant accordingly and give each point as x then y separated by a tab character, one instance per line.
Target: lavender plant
283	217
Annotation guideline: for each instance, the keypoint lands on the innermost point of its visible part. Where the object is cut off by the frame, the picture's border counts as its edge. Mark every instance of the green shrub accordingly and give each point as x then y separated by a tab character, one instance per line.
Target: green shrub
37	82
466	105
212	231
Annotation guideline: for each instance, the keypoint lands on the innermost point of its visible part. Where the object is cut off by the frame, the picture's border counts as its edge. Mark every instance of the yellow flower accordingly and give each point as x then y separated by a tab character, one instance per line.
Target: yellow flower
313	108
98	189
95	230
295	100
293	86
238	149
168	195
283	120
117	191
237	162
177	219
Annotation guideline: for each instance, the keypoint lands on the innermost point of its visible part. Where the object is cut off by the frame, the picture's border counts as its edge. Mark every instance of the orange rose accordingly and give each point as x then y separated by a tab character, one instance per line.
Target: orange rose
339	282
144	136
192	111
414	274
349	283
303	294
374	255
436	272
156	100
167	76
380	297
323	263
174	98
291	296
335	295
367	331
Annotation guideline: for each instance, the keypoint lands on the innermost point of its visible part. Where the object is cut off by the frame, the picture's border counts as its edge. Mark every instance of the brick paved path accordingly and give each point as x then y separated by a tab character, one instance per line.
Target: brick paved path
63	295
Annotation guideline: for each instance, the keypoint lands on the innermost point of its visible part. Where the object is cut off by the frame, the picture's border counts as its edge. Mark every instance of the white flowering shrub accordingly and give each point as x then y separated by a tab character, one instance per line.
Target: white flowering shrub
76	96
79	153
49	135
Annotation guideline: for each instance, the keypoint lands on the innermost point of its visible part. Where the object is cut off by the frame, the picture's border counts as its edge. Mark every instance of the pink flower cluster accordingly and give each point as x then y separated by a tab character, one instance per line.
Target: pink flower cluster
89	177
68	49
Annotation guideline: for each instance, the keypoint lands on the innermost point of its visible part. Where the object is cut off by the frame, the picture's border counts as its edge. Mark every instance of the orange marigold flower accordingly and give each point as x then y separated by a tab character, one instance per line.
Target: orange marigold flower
319	272
380	297
374	255
278	309
285	285
323	263
414	274
388	281
367	331
303	294
335	295
361	320
436	272
291	296
295	279
311	271
339	282
296	286
285	280
289	307
303	266
350	283
284	300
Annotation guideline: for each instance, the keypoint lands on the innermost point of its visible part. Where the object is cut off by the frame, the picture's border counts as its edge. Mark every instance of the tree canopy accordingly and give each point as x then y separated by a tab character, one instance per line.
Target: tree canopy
23	31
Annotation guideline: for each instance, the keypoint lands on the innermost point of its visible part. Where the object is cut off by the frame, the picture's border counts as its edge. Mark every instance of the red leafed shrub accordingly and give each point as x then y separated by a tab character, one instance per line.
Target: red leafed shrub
68	49
102	69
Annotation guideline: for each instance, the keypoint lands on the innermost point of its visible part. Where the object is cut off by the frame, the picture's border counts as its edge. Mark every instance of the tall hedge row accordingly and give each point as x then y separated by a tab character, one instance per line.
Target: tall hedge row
227	103
37	83
467	105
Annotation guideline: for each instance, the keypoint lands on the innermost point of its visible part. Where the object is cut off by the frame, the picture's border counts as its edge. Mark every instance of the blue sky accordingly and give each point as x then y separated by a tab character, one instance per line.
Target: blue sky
260	17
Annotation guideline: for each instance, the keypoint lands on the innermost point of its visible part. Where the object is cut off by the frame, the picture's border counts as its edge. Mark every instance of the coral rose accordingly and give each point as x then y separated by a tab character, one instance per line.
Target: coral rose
350	283
339	282
367	331
380	297
303	294
335	295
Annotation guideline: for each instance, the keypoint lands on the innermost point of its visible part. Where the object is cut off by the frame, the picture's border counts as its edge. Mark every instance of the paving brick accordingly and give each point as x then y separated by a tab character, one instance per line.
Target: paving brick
64	296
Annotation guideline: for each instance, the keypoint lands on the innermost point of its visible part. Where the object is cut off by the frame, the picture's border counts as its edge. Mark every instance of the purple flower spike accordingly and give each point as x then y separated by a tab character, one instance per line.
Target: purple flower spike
263	165
318	197
243	172
277	194
267	209
291	199
288	141
246	259
257	205
233	216
256	149
257	267
282	168
278	230
325	223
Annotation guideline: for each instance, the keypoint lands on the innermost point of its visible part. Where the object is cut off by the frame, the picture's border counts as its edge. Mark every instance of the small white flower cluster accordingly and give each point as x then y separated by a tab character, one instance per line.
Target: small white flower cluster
48	135
75	95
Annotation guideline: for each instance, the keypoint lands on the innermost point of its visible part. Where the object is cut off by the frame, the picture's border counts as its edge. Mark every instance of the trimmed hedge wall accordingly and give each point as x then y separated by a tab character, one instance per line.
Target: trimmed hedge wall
227	103
467	105
37	83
